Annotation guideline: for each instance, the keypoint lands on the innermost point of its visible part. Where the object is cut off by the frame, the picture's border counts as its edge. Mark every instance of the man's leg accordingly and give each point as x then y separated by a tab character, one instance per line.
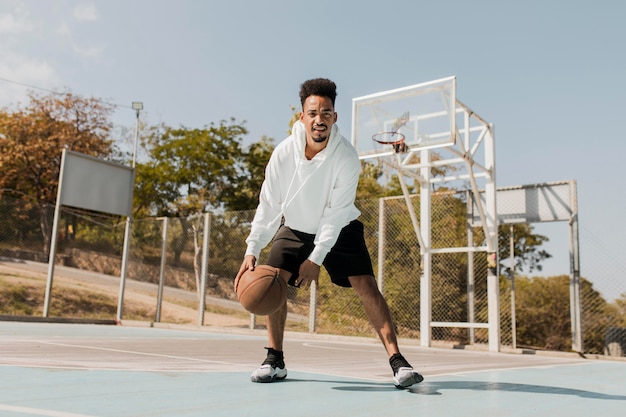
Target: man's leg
378	313
276	327
273	368
276	321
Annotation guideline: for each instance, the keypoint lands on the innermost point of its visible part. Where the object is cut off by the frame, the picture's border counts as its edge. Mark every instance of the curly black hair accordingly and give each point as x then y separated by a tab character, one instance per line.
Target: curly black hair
322	87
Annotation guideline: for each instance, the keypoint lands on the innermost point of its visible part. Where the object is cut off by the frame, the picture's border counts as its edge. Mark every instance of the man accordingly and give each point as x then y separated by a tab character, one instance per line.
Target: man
309	190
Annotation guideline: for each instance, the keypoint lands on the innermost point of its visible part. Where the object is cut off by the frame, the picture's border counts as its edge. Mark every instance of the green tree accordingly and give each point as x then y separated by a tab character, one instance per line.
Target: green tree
369	186
543	314
243	194
189	172
527	248
542	310
33	137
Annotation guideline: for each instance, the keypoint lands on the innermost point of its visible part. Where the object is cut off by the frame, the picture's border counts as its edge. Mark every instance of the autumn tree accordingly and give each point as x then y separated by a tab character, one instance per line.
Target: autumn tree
32	138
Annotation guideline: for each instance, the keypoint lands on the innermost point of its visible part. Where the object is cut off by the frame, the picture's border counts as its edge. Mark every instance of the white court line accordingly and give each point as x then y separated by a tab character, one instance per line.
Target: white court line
133	353
40	412
514	368
479	368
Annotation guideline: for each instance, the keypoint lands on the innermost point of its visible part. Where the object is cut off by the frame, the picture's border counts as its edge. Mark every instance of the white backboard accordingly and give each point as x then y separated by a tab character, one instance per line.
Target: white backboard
424	113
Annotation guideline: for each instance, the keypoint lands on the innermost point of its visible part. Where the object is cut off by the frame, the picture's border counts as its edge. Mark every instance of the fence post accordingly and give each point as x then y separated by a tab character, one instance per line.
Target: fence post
426	278
575	305
52	254
512	275
381	244
312	307
162	269
471	278
204	269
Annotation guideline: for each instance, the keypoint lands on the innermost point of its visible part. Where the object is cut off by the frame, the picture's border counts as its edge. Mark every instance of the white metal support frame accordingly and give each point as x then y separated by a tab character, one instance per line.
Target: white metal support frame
472	135
536	203
463	153
575	302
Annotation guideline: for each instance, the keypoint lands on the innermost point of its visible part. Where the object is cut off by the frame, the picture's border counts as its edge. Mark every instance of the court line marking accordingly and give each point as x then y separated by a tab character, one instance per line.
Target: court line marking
565	362
133	352
40	411
112	369
310	344
128	352
510	368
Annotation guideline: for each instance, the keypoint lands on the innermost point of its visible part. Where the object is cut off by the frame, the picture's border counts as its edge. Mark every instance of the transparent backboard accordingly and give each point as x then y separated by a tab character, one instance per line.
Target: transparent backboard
423	113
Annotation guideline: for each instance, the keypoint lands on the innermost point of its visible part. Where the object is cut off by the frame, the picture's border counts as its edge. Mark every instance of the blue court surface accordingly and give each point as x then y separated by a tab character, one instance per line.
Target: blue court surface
80	370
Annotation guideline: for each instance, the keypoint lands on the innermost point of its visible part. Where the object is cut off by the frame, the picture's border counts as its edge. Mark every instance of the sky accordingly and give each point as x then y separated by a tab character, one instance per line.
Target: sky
548	74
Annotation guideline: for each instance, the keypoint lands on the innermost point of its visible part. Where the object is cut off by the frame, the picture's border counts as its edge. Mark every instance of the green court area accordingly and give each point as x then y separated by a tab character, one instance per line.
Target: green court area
72	370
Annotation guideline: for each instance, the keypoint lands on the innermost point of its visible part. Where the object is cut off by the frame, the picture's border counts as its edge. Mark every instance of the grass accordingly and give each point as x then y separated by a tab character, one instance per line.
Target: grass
21	296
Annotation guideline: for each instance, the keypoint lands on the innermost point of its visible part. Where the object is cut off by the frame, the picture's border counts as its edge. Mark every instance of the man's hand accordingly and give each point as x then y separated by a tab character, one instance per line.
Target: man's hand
308	273
249	262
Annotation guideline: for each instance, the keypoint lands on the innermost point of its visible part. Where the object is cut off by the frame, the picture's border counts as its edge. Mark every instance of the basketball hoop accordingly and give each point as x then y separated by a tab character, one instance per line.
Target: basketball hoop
395	139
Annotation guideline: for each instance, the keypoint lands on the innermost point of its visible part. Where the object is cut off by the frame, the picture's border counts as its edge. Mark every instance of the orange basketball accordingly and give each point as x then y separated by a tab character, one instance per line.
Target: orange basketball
261	291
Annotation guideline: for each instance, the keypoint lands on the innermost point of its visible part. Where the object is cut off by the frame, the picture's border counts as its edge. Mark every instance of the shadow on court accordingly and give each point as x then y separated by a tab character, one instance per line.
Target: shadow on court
436	388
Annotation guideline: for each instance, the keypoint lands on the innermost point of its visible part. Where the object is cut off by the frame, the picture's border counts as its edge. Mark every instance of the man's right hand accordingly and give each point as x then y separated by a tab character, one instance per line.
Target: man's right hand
249	262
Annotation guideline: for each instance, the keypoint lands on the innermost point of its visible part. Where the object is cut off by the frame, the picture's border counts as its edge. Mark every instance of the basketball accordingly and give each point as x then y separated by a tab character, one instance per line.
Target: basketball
261	291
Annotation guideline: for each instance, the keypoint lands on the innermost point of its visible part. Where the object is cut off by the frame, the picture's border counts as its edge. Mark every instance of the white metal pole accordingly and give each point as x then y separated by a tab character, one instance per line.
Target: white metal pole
493	281
162	270
205	268
381	244
53	240
312	307
471	277
426	279
512	275
137	106
575	304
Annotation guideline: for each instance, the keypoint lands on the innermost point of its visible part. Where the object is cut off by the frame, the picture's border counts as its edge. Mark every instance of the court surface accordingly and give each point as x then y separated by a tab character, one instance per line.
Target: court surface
82	370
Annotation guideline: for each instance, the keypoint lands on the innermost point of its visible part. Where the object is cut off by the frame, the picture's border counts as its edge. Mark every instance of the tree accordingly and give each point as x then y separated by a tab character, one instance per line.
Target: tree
369	186
543	314
526	249
189	172
620	308
32	139
243	194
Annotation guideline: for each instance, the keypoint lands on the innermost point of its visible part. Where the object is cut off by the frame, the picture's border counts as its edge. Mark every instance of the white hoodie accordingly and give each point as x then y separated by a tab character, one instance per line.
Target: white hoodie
314	196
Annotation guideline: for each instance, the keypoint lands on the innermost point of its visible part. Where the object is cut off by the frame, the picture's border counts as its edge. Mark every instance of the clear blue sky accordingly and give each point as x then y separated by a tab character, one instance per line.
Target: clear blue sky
548	74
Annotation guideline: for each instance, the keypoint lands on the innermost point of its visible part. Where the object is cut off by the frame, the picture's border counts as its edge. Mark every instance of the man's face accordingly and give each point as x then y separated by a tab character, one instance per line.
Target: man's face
318	116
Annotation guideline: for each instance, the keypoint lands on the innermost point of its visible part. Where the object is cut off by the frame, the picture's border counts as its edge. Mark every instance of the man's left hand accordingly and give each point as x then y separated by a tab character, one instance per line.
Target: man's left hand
309	272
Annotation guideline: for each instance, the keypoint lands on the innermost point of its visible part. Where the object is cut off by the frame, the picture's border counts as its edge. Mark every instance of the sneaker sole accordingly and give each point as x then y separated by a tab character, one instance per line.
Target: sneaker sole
267	379
415	379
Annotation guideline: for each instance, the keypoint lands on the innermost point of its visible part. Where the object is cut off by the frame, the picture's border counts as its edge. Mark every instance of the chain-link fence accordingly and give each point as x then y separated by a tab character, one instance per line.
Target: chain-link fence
165	264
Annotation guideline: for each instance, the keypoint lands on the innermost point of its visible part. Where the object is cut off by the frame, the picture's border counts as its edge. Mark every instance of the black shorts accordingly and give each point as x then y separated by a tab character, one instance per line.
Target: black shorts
349	257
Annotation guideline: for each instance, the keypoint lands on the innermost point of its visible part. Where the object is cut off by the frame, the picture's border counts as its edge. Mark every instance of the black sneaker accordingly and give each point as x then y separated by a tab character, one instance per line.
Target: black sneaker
403	373
272	369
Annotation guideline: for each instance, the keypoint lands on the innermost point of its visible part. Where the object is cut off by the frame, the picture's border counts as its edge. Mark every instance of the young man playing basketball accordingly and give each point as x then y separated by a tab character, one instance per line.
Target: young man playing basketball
308	195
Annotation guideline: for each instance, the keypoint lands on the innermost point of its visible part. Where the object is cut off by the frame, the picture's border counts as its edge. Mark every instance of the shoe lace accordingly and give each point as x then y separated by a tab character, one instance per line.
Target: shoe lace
274	358
397	361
